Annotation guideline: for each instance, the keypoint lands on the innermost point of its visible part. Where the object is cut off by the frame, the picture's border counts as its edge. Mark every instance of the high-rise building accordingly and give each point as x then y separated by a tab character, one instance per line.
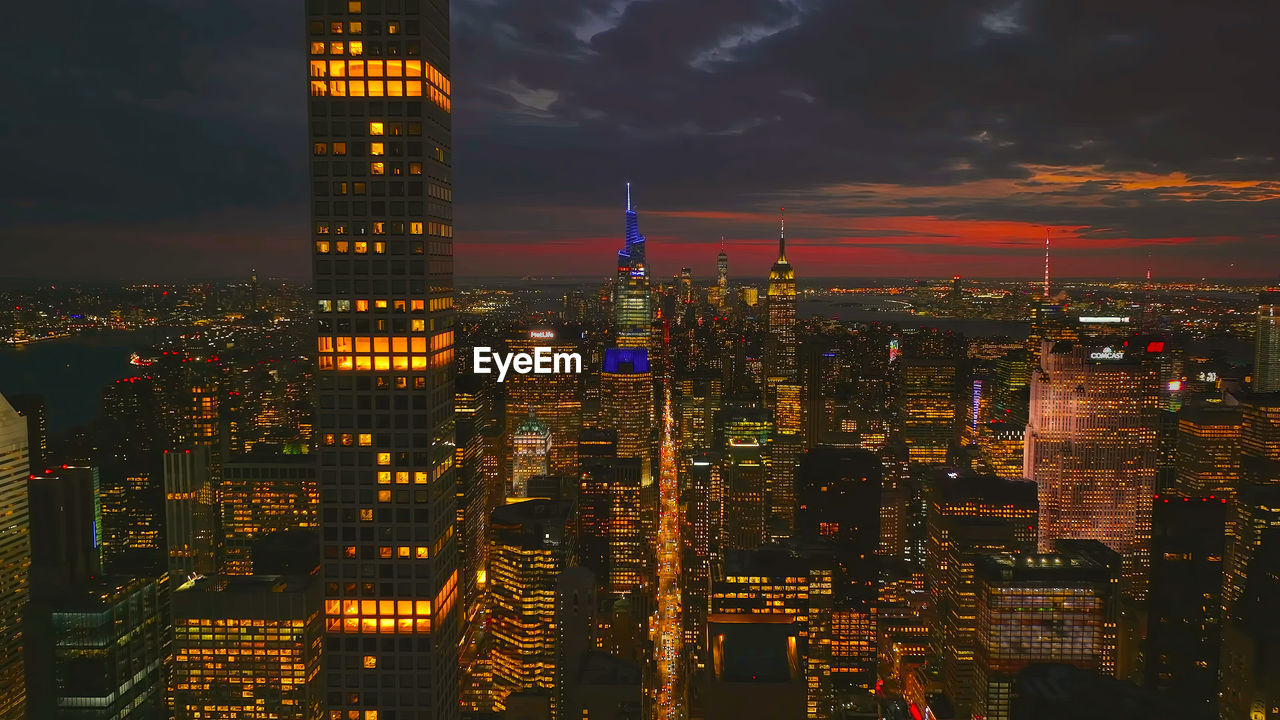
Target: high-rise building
556	399
190	513
780	342
927	408
609	537
1091	448
382	242
755	669
632	301
1036	608
788	445
15	558
473	410
531	454
968	515
99	652
261	493
1254	514
1266	358
792	584
34	409
64	516
627	405
838	491
745	472
1207	455
531	544
721	289
1249	666
248	648
1184	606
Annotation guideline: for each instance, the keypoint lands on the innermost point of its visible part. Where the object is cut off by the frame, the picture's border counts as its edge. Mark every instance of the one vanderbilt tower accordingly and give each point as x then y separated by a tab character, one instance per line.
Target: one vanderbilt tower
381	240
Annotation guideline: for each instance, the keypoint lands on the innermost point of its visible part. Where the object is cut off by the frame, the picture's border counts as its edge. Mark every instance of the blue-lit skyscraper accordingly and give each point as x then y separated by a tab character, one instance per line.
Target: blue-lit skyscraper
632	311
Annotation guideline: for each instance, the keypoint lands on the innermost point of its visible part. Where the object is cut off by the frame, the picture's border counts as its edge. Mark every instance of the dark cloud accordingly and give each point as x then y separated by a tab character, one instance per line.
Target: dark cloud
145	119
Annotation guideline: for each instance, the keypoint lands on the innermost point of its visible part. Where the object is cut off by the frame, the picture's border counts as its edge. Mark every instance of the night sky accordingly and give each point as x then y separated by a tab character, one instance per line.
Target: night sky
165	139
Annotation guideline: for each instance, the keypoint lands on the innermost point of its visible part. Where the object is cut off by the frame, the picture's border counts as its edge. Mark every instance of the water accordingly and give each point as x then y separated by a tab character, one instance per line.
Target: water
71	372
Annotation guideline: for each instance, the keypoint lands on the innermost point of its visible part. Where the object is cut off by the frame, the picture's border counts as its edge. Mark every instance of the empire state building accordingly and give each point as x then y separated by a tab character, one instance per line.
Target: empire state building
780	344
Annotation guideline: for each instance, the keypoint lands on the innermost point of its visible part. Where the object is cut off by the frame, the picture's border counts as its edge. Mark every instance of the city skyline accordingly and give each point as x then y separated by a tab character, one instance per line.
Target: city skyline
893	160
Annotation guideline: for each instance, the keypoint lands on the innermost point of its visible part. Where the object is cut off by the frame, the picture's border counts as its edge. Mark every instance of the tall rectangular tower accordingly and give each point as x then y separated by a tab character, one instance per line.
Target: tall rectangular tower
1266	362
15	557
383	265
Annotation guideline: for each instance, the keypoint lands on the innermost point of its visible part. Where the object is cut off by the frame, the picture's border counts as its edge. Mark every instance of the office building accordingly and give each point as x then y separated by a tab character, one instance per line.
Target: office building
1207	454
1035	608
261	493
475	428
15	556
1091	448
1184	606
531	455
632	300
1266	357
382	239
556	400
780	342
531	544
98	652
755	669
745	470
838	491
190	513
64	519
36	411
926	406
627	405
1254	514
609	536
1250	667
249	648
968	515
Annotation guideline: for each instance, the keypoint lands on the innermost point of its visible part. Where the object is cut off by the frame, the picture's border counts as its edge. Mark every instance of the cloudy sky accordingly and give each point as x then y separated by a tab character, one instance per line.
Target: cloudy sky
166	138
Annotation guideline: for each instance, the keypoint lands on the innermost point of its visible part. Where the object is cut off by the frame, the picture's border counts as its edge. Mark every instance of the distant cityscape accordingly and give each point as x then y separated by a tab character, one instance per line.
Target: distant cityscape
763	494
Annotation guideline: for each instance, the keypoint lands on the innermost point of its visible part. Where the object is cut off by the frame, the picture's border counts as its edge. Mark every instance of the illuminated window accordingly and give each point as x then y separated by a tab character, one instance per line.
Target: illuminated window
335	48
357	47
317	48
377	168
366	514
415	228
393	28
384	496
317	68
335	28
375	128
355	27
415	168
339	148
362	306
384	458
362	247
320	149
366	439
322	247
354	7
377	149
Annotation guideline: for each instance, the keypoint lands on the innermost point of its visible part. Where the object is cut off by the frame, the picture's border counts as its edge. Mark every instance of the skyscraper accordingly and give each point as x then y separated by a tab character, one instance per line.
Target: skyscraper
250	647
15	558
927	408
1208	451
1036	608
190	513
1091	448
968	515
1266	358
532	542
556	398
531	447
780	343
627	404
632	304
263	493
722	276
382	242
1184	625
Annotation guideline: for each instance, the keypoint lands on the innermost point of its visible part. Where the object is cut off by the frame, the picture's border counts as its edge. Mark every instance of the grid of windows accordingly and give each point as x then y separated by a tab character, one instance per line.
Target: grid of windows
378	74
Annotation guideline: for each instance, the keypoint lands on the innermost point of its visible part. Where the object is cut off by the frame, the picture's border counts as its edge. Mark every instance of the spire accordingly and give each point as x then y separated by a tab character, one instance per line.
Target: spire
628	197
1046	264
782	233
